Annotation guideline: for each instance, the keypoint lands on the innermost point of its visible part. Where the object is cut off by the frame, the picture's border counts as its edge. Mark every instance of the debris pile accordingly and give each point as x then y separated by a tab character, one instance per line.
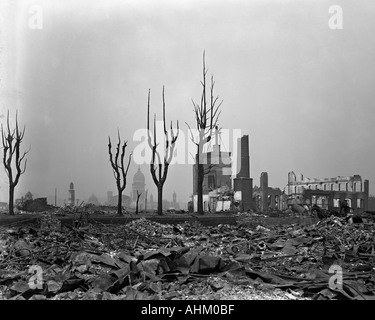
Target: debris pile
148	260
35	205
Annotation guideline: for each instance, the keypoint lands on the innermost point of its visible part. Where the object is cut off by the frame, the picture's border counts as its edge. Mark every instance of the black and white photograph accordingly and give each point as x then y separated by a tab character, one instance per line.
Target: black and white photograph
187	154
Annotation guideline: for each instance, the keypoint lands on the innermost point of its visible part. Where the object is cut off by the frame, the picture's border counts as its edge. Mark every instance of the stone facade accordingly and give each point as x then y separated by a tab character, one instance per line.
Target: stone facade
329	193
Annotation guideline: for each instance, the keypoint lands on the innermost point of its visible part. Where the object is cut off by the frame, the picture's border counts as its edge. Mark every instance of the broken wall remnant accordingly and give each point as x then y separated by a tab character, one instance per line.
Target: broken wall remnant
34	205
264	190
3	206
220	199
206	202
329	193
267	198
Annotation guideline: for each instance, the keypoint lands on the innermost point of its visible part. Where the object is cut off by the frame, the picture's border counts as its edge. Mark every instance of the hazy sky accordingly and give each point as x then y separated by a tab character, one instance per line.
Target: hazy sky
302	91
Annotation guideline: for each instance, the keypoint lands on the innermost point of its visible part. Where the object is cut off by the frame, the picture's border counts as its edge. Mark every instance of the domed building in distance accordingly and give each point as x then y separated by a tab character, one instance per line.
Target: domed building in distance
140	186
130	202
93	200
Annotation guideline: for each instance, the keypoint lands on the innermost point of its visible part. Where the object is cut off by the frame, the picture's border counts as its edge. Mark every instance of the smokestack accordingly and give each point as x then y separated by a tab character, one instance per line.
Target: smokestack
243	184
243	146
72	194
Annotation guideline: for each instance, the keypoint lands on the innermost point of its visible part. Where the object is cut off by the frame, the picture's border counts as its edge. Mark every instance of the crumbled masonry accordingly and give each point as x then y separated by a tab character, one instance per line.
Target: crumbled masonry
46	260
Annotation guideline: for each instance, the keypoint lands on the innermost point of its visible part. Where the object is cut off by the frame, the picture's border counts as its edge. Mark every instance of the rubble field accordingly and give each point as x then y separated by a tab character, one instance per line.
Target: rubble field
327	259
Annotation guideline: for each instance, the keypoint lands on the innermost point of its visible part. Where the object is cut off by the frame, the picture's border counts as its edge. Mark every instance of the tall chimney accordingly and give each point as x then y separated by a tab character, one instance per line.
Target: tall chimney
243	147
243	184
72	194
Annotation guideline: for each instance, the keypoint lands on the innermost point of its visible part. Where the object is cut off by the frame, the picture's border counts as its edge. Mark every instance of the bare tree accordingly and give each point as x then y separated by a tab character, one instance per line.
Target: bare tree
12	157
207	114
136	204
156	162
119	171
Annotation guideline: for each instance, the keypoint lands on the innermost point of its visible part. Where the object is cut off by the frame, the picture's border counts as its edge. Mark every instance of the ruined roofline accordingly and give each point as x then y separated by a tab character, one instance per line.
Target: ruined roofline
299	178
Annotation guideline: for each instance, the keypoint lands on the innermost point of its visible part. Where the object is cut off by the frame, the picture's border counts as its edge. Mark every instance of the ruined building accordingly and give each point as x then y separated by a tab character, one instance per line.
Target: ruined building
218	171
217	183
329	193
266	198
217	168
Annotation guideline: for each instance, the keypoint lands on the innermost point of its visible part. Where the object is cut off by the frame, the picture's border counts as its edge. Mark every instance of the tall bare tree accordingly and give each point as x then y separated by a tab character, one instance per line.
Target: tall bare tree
207	114
12	158
156	162
118	168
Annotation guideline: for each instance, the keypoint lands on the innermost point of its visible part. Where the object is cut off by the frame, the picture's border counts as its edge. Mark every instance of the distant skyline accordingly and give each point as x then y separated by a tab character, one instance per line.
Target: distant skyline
302	91
62	197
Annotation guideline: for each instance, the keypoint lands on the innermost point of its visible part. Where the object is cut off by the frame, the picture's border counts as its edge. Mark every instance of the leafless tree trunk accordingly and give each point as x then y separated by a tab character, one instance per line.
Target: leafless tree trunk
118	168
207	114
156	162
146	201
12	140
136	204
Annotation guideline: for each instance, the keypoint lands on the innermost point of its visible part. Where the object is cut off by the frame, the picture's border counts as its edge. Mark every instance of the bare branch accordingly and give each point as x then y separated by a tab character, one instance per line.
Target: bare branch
11	141
165	130
191	133
118	167
8	123
127	168
148	120
169	144
206	118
